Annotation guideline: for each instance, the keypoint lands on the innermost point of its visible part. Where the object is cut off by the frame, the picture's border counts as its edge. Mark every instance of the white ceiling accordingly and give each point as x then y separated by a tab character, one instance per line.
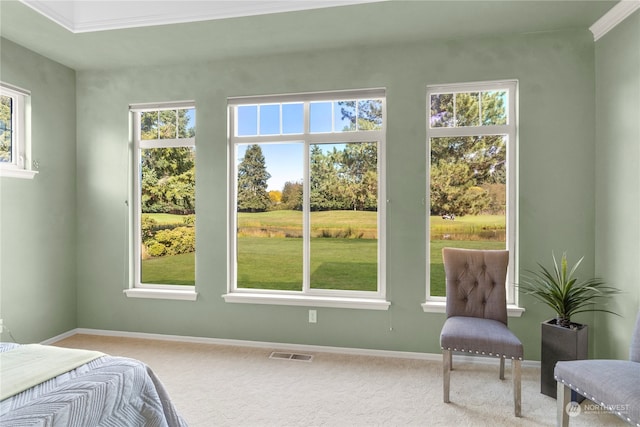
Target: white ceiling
365	24
80	16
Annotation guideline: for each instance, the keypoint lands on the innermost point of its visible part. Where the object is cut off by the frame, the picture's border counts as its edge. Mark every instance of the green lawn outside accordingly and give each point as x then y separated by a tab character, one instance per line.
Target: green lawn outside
320	219
289	223
164	219
336	263
276	263
170	270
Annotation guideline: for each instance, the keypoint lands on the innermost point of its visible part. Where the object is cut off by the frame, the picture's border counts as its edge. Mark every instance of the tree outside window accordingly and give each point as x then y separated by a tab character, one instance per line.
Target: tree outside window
471	132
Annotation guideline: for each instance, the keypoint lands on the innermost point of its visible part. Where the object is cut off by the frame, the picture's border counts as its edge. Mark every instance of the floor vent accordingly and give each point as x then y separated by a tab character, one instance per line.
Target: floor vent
291	356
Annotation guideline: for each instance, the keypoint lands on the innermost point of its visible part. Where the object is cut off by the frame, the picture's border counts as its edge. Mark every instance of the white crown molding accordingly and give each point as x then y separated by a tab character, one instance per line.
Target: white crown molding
60	12
613	17
82	16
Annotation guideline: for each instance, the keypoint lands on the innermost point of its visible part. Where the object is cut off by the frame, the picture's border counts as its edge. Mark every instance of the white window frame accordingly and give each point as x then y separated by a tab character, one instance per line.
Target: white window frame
20	166
437	304
136	288
308	296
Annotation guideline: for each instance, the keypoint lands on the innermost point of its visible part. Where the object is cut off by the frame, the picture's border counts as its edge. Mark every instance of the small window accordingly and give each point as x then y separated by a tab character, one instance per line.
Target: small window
164	206
14	132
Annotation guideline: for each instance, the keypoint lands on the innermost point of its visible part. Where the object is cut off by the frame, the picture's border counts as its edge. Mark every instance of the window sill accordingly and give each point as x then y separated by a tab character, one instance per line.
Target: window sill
18	173
307	300
440	307
175	294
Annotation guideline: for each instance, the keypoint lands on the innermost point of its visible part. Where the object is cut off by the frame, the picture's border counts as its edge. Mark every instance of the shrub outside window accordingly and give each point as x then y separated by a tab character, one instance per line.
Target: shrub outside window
163	211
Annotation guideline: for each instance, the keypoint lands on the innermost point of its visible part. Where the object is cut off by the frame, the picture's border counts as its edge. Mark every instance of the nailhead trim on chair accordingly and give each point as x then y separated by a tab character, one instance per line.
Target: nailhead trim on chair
593	399
504	356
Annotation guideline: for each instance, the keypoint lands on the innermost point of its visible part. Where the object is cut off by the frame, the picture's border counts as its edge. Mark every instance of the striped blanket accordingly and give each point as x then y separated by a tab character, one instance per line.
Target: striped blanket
107	391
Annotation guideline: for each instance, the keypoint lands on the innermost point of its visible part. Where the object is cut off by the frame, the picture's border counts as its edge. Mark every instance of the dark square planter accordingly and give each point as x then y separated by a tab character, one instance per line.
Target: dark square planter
560	343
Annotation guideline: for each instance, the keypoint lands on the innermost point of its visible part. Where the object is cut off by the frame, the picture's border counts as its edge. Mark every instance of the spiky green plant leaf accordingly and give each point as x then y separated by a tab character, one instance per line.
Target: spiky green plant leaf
564	293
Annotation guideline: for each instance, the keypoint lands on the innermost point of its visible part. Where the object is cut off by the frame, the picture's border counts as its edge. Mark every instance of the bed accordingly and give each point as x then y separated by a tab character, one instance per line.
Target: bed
103	391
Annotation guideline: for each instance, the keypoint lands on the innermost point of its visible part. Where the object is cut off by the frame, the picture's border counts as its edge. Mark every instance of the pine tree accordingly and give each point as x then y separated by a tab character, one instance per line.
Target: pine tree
252	181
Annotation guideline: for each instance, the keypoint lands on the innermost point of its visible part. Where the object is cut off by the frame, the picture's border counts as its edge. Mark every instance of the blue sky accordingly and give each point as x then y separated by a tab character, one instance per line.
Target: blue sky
191	115
285	161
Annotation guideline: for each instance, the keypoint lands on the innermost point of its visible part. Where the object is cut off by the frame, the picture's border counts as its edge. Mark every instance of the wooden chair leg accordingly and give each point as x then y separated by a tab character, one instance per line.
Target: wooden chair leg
502	368
446	369
563	398
517	386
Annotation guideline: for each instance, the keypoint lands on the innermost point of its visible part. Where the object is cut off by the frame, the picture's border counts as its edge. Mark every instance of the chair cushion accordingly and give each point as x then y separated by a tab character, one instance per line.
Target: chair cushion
614	384
480	336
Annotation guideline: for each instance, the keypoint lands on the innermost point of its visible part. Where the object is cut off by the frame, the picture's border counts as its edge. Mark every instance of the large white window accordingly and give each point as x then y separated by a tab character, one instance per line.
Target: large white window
471	136
15	153
307	199
163	195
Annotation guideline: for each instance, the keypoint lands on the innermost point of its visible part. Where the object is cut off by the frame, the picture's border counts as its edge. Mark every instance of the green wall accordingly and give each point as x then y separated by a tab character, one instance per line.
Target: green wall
37	217
618	181
556	74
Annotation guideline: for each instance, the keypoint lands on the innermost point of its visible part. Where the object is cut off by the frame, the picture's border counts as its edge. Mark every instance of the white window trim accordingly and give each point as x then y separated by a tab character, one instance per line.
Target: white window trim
309	297
437	304
136	288
432	306
20	167
175	294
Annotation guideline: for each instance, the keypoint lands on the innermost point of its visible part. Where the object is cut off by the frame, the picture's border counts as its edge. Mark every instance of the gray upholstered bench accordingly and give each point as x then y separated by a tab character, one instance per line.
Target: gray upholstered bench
613	384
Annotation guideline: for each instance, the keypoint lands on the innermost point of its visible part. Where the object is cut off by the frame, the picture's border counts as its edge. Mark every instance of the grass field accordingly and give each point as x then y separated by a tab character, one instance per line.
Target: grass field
289	223
346	264
336	263
163	219
170	270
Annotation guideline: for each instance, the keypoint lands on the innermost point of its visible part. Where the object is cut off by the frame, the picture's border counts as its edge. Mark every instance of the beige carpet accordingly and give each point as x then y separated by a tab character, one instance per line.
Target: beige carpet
213	385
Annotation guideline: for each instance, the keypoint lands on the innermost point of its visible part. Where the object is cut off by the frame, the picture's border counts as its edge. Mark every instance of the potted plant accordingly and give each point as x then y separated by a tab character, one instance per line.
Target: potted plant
567	295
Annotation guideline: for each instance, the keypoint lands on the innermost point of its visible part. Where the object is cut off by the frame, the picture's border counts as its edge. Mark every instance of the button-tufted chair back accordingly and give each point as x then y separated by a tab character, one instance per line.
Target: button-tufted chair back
475	283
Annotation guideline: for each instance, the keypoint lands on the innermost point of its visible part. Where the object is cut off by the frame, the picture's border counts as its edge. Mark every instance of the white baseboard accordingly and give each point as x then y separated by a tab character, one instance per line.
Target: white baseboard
60	337
282	346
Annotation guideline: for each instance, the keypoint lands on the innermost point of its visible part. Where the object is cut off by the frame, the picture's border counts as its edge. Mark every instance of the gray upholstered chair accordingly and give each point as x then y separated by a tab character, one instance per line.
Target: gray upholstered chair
477	313
613	384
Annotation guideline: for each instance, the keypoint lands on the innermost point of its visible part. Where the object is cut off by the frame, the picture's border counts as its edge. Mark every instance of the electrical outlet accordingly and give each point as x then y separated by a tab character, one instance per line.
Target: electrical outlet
1	326
313	316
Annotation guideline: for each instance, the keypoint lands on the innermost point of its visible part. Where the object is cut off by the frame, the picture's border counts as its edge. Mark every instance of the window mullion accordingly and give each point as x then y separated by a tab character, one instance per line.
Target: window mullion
306	204
177	125
15	131
469	131
258	120
137	204
455	112
306	220
233	215
166	143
